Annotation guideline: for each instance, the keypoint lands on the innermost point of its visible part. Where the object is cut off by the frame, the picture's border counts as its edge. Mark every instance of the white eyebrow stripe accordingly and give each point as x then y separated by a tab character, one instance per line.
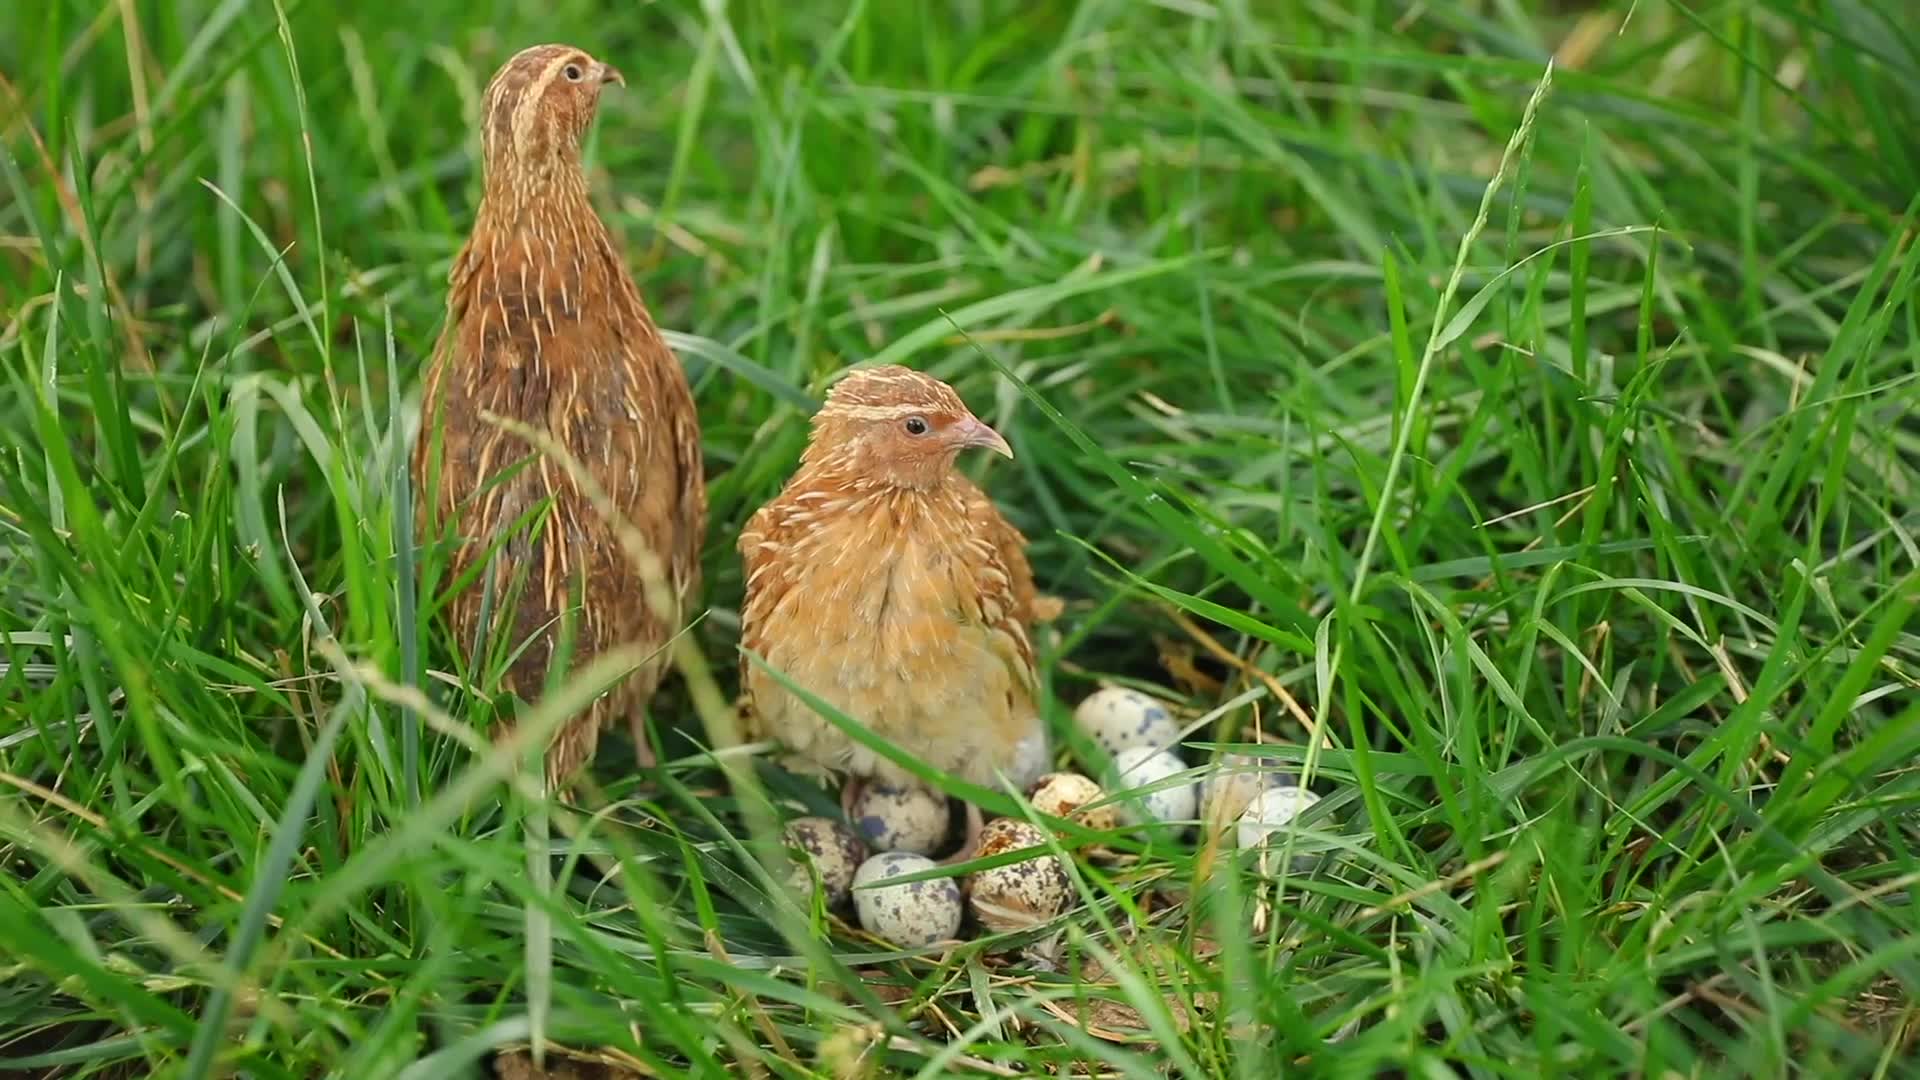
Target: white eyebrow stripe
873	412
529	107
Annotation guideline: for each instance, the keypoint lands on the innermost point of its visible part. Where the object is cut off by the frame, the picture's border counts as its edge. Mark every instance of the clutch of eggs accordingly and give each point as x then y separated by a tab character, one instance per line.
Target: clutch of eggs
1235	781
1118	718
1032	759
829	849
901	817
1141	767
911	914
1065	794
1020	894
1269	812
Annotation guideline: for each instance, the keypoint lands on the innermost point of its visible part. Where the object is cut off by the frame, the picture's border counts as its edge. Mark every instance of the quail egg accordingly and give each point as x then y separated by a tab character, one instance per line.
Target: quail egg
1020	894
1233	783
901	817
911	915
832	849
1062	794
1032	757
1269	811
1117	718
1142	766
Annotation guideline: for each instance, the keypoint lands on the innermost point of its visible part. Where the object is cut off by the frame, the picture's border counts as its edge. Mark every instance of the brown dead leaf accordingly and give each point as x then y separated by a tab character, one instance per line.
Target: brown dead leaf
1177	658
1586	39
1117	1021
564	1064
883	987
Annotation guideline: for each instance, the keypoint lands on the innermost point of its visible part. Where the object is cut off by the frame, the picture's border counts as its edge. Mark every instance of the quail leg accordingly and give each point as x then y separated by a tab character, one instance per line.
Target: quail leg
850	794
970	843
642	749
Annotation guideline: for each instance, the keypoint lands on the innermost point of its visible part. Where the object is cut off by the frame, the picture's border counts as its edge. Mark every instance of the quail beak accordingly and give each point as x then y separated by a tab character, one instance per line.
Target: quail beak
972	432
610	74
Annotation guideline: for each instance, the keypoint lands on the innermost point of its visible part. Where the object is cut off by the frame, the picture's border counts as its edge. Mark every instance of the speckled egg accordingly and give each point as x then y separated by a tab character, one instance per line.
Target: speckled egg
901	817
1117	718
1032	757
1142	766
1021	894
832	849
911	915
1233	782
1062	794
1269	811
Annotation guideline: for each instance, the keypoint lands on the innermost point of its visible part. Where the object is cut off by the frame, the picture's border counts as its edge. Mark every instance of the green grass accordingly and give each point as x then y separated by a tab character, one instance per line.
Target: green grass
1549	438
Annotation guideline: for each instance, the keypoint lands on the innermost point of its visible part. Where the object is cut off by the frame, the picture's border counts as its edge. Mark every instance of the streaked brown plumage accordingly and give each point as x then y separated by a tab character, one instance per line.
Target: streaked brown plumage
545	327
889	585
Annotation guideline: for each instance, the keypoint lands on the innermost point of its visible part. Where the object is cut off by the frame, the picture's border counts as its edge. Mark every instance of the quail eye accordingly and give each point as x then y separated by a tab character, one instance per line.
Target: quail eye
916	425
573	72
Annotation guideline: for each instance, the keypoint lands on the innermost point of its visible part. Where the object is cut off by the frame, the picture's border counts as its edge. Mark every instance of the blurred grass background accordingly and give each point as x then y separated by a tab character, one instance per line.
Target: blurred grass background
1567	486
